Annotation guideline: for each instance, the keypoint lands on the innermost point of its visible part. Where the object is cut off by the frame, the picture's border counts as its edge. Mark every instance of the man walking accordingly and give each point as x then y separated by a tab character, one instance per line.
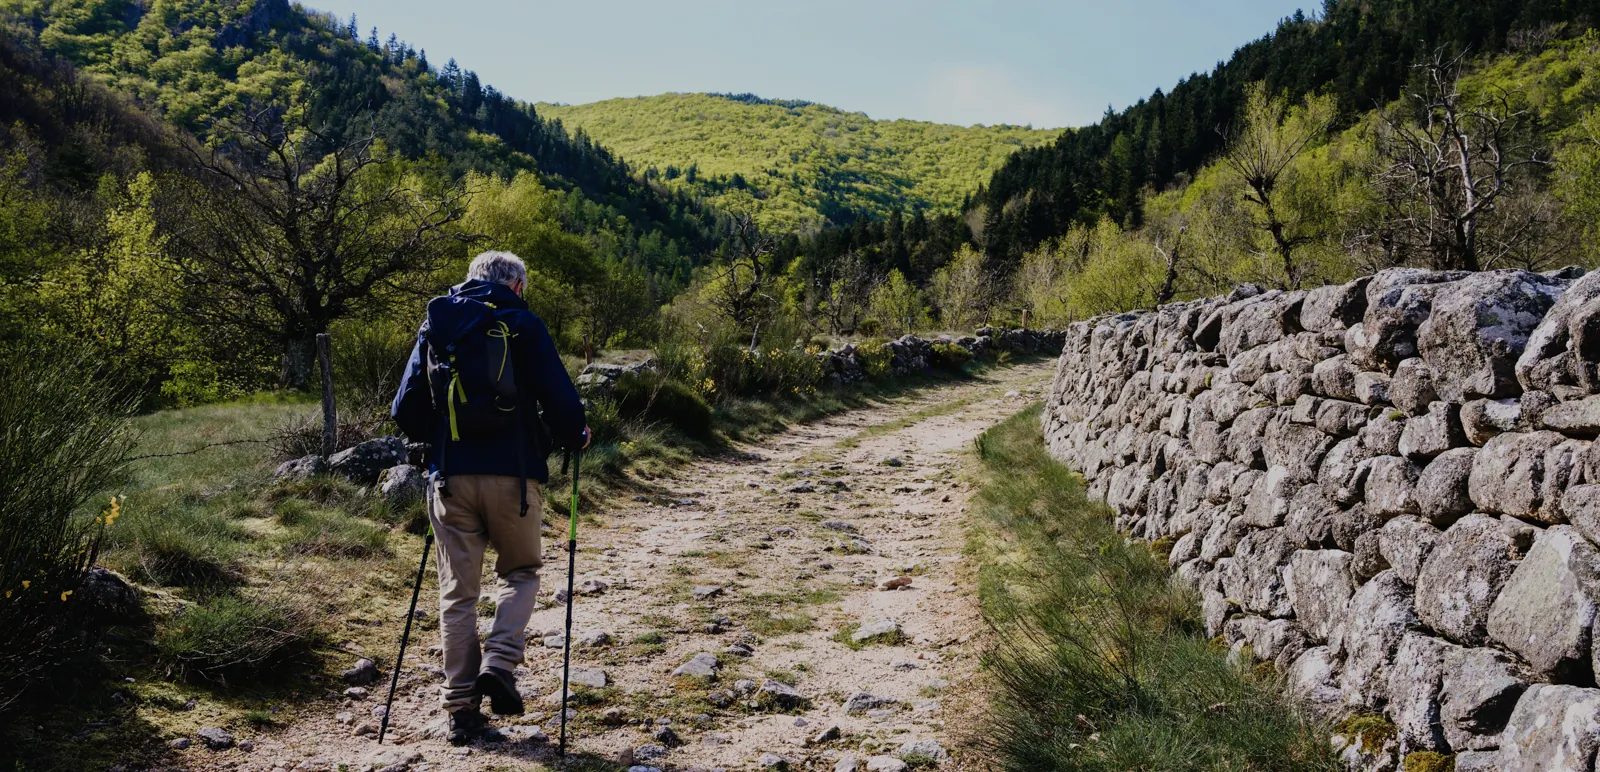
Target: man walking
482	369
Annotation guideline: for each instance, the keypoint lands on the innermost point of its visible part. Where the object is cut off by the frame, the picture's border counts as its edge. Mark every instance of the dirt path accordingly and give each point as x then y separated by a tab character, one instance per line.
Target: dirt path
782	547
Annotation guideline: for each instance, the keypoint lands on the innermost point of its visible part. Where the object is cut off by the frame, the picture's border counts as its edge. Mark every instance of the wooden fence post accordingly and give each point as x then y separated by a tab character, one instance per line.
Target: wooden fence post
330	414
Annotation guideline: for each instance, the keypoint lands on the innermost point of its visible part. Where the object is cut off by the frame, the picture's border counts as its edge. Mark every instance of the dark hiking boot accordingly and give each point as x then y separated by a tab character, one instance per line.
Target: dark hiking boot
501	688
465	726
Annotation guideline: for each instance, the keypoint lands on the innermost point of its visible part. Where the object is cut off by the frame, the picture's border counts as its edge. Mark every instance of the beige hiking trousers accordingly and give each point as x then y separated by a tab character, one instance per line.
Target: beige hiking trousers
481	511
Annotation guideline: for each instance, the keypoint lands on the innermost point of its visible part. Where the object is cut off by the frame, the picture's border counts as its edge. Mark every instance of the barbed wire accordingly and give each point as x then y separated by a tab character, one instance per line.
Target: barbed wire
207	446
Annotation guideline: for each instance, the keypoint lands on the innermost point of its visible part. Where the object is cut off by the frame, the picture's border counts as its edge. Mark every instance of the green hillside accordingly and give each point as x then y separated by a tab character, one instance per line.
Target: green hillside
797	163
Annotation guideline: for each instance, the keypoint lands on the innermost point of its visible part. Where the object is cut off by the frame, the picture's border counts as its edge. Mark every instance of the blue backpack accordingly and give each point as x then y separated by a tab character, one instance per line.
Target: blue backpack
472	377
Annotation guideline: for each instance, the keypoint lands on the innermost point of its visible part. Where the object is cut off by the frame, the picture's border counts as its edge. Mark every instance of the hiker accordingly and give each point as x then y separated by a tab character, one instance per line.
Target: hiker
486	468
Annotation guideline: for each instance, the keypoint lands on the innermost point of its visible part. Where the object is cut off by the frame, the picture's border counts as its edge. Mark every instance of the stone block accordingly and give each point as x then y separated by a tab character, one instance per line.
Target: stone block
1376	619
1334	307
1552	728
1405	543
1545	612
1476	332
1442	488
1320	585
1432	433
1411	389
1462	576
1391	486
1508	473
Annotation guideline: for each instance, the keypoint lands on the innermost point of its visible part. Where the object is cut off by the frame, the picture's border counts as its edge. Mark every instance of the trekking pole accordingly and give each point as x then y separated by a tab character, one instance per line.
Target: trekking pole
411	613
572	569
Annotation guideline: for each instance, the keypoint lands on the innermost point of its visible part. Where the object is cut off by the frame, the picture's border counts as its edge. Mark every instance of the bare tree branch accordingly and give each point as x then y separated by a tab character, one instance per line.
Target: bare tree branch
284	229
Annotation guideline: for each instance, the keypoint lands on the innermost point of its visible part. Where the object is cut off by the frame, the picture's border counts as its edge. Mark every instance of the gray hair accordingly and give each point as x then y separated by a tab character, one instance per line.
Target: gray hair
501	267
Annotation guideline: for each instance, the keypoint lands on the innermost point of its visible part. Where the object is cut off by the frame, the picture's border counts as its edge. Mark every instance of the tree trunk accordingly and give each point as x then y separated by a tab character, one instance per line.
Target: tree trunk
299	359
330	413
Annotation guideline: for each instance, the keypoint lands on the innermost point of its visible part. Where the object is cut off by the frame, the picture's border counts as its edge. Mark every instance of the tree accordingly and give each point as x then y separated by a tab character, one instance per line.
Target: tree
617	308
844	291
1121	272
521	215
1448	160
742	286
1260	152
963	290
1578	184
898	306
284	230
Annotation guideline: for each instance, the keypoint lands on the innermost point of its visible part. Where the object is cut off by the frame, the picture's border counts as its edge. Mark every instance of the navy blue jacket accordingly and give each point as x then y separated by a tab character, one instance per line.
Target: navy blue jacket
542	383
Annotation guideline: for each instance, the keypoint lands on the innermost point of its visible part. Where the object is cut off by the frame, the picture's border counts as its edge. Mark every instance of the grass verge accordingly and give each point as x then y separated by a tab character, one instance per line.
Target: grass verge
1099	661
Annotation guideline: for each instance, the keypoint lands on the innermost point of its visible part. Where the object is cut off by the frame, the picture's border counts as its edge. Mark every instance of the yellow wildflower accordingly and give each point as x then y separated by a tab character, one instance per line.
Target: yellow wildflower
65	594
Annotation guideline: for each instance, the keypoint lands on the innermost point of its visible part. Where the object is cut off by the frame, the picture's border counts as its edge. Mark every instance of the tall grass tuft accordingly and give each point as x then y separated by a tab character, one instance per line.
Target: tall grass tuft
63	439
180	543
1100	661
236	640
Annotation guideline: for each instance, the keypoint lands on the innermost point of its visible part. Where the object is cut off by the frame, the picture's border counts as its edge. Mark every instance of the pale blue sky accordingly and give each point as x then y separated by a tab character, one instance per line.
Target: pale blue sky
955	61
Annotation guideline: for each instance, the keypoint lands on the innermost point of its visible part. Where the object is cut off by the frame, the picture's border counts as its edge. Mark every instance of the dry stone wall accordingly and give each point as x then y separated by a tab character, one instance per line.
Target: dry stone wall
1388	488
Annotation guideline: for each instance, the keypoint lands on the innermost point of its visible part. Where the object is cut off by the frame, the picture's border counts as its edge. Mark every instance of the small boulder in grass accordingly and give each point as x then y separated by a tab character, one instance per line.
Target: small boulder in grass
861	702
704	665
886	764
878	629
303	468
780	695
923	752
364	672
592	677
402	484
215	738
667	737
895	583
363	463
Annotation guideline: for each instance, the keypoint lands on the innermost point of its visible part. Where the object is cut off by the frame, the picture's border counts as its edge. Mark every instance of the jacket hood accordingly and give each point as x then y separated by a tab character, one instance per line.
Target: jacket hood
469	304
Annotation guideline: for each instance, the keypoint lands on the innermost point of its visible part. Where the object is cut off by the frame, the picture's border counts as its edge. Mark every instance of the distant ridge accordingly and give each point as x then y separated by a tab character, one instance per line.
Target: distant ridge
798	165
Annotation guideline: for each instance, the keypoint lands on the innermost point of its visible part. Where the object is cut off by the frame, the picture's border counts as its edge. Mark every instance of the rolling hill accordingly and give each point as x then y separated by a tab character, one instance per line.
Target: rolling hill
798	165
194	63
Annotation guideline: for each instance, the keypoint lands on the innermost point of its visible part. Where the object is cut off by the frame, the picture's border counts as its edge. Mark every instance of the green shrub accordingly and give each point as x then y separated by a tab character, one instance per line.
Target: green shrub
605	421
64	436
949	357
235	639
875	358
369	356
733	370
656	398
